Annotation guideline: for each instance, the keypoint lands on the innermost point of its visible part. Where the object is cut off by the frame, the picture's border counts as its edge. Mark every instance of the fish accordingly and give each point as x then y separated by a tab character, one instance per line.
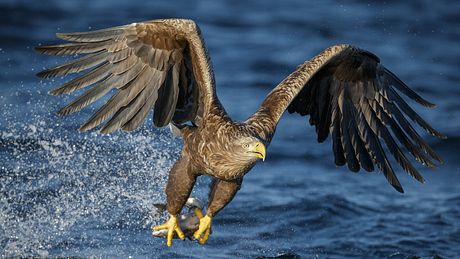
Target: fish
188	222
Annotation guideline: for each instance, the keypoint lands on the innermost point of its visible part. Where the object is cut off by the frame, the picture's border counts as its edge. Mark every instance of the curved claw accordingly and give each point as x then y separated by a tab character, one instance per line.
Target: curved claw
207	232
202	234
205	237
173	227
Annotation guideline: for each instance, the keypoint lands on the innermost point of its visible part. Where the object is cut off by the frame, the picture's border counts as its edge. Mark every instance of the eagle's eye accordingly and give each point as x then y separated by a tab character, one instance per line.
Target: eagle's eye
245	145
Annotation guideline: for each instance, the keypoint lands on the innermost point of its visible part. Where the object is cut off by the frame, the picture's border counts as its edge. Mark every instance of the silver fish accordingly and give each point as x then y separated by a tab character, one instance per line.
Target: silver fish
188	222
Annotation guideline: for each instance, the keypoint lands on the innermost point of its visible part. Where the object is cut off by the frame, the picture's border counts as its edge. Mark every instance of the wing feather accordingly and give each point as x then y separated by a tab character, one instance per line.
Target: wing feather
115	81
142	62
167	98
381	107
322	128
89	96
347	133
361	152
139	117
84	80
125	113
403	88
121	98
96	75
120	55
76	65
81	48
337	148
94	36
412	114
382	132
350	95
375	149
413	133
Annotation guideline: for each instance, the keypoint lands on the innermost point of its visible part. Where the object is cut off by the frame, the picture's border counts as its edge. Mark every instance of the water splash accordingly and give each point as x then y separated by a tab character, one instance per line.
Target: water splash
54	180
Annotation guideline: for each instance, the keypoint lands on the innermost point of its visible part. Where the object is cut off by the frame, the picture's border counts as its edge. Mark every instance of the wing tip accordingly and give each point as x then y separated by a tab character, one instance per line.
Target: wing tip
440	160
419	178
429	104
398	188
42	49
55	92
355	168
406	90
441	136
128	128
428	128
64	111
63	35
425	103
104	131
107	129
39	48
43	74
87	126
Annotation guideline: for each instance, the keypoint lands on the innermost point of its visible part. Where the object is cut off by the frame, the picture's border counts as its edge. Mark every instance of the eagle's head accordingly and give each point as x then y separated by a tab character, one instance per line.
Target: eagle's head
250	148
236	154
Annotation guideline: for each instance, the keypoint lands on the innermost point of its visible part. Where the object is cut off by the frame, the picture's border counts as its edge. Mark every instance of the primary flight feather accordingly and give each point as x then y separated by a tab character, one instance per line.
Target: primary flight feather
163	65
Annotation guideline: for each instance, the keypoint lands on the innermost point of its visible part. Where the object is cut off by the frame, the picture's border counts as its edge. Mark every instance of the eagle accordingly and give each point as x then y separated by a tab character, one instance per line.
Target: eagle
163	66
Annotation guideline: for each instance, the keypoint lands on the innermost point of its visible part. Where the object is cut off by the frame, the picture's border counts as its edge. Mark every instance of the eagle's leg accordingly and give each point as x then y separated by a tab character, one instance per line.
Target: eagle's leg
180	183
221	193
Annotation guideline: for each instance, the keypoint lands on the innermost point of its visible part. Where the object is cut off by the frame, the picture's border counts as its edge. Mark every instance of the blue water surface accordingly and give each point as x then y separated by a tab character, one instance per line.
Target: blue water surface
66	193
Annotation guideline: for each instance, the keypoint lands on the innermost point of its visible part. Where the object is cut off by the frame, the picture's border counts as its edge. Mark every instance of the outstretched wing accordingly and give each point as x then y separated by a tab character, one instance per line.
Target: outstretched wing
350	95
160	65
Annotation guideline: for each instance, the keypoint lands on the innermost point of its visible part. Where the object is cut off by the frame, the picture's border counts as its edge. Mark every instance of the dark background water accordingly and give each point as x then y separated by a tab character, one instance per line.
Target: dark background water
65	193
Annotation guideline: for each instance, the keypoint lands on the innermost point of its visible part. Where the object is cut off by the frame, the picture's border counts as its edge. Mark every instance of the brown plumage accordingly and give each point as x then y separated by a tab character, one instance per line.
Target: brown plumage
162	65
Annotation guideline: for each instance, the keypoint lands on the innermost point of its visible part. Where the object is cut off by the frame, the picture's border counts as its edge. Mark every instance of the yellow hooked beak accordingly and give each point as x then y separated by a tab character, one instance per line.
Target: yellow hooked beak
259	150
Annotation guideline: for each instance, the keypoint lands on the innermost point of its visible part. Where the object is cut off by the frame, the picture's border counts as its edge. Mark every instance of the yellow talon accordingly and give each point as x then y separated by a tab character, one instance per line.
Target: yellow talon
173	227
205	237
204	229
198	213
